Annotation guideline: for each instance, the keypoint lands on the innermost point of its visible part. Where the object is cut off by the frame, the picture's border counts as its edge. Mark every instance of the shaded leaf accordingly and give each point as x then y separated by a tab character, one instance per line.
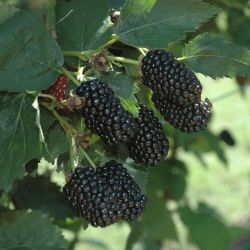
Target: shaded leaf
155	24
115	4
124	89
23	230
169	179
205	228
215	56
140	175
157	221
203	142
29	55
82	25
57	141
42	195
6	12
19	137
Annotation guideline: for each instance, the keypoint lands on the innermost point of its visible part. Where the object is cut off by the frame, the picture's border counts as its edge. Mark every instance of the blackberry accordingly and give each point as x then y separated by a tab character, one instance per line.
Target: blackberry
104	114
104	195
169	78
149	146
190	117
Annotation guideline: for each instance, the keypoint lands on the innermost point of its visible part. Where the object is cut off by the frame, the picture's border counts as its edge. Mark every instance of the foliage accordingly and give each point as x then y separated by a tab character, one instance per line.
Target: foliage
34	51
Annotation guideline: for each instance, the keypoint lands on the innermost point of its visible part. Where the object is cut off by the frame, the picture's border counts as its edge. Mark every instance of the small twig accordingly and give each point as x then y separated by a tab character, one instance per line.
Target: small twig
109	43
69	75
141	51
123	60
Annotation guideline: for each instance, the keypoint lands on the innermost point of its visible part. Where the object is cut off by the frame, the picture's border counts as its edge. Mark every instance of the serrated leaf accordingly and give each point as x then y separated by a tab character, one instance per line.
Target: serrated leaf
41	195
156	23
29	55
124	89
215	56
6	12
19	137
23	230
82	25
204	222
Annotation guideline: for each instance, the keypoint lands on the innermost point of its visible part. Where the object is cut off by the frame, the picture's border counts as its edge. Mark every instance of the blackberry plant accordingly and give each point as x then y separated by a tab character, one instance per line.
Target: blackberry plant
109	71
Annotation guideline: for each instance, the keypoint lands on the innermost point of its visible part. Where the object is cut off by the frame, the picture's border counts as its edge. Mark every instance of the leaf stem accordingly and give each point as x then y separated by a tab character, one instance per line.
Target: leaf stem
109	43
69	75
71	154
87	157
70	131
123	60
51	97
141	51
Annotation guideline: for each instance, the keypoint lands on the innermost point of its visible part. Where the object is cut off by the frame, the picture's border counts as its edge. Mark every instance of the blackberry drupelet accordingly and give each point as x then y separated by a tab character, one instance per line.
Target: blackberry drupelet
104	195
169	78
104	114
149	146
190	117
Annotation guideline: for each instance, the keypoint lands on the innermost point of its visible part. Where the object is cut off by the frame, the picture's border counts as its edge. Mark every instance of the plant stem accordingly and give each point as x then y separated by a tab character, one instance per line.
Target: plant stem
70	131
182	58
51	97
87	157
141	51
69	75
109	43
71	154
123	60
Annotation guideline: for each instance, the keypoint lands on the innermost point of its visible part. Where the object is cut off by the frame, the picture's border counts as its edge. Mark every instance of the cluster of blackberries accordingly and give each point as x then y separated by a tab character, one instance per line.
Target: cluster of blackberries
104	195
149	145
176	91
104	114
105	117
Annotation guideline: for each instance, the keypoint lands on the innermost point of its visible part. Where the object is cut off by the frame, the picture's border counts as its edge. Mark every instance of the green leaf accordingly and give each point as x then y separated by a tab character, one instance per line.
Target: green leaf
29	231
42	195
156	23
203	142
146	245
6	12
157	221
82	25
168	179
215	56
124	89
56	140
205	228
29	55
140	176
116	4
19	137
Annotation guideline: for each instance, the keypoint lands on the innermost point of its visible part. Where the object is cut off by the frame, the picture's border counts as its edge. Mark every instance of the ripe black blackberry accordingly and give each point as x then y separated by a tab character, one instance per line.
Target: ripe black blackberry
104	114
169	78
104	195
189	117
149	146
